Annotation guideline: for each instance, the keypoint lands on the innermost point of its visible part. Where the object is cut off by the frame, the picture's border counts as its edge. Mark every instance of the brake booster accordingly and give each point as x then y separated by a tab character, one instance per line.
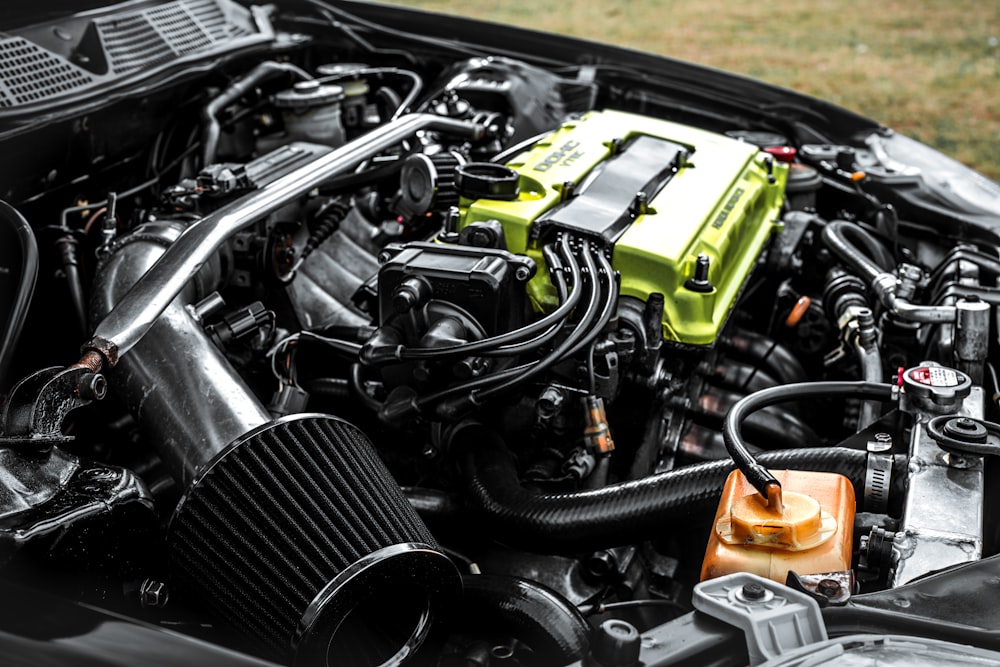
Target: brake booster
685	212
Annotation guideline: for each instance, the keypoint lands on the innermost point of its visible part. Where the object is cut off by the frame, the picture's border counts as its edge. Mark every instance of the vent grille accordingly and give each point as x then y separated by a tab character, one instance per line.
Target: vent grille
150	37
29	73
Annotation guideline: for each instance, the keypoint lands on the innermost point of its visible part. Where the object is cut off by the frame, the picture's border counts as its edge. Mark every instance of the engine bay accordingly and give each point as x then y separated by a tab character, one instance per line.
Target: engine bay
339	345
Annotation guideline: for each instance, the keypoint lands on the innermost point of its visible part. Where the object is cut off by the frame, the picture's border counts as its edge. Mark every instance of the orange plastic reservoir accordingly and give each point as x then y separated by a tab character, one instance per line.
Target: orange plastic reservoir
811	533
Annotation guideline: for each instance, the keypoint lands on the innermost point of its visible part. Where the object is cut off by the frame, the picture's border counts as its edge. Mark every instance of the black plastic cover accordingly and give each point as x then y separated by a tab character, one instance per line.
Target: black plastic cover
486	283
609	199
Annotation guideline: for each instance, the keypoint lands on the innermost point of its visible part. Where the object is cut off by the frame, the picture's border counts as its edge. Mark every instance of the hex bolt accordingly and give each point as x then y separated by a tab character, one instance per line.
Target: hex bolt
880	442
153	593
828	587
522	273
754	591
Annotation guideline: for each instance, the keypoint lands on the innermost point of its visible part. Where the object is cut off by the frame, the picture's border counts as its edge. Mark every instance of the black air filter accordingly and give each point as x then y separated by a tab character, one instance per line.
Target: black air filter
299	537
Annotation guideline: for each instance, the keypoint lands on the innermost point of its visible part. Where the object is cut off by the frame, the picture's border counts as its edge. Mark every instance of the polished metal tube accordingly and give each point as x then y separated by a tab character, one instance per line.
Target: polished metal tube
188	400
135	314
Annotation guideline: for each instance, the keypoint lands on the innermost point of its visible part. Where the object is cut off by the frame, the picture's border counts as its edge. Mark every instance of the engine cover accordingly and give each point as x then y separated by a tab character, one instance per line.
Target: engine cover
701	194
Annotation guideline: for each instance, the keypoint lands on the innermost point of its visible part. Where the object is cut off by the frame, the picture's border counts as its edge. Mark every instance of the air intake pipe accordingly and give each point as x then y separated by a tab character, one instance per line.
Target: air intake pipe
293	531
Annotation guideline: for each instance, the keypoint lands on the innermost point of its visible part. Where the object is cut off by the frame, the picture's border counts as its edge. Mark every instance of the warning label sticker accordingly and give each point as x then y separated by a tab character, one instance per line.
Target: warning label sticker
935	376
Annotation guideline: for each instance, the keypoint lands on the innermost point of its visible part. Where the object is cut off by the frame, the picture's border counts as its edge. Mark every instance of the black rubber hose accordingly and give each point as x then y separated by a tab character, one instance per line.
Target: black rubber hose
433	505
328	386
618	514
11	218
71	270
779	430
856	248
356	381
770	355
755	471
528	611
211	130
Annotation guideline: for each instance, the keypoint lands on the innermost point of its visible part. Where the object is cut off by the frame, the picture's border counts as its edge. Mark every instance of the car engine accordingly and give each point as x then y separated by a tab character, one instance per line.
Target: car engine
339	344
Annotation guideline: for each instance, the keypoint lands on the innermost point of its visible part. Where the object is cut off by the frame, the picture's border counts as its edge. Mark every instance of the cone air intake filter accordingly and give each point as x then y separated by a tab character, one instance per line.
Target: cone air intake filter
299	537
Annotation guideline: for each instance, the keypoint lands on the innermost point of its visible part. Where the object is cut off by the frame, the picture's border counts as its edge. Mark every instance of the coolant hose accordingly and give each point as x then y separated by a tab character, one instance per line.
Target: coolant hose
856	248
770	355
622	513
530	612
755	470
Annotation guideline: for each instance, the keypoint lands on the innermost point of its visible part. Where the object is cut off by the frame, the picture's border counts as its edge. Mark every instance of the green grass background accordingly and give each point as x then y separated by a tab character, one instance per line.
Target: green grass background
927	69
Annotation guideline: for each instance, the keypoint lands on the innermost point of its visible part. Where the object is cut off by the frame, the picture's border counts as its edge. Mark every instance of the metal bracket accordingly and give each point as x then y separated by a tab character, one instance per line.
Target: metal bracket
39	404
774	618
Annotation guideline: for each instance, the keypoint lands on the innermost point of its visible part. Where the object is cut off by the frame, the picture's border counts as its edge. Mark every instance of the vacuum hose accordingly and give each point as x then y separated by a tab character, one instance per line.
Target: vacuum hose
858	249
755	470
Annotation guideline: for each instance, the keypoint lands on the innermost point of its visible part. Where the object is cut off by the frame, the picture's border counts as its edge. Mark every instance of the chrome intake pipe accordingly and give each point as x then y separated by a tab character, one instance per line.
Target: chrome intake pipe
188	400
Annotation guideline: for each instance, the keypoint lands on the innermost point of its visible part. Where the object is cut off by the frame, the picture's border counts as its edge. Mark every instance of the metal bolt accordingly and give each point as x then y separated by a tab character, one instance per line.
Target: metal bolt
568	188
754	591
880	442
451	219
384	256
522	273
828	587
640	204
701	267
153	593
699	282
551	400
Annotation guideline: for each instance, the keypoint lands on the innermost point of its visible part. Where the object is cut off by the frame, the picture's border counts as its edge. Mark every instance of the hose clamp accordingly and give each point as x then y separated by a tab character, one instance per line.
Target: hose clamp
878	474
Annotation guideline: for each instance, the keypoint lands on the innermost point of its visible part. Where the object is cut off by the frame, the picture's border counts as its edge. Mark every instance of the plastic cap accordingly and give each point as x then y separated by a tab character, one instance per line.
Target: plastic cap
617	644
800	524
309	94
486	180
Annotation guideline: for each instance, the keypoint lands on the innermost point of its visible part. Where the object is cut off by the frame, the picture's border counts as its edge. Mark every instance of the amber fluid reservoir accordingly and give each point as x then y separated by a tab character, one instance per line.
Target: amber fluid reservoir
811	532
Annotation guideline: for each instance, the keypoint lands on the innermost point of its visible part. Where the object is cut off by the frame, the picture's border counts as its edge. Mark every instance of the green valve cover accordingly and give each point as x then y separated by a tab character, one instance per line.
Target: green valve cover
704	193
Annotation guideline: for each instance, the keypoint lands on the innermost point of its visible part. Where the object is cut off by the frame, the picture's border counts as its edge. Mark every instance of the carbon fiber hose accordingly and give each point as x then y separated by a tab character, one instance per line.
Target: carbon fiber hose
618	514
